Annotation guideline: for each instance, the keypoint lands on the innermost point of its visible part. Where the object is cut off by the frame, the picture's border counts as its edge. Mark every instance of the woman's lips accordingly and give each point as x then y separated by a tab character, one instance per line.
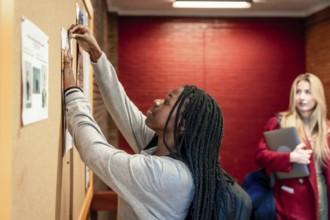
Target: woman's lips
149	112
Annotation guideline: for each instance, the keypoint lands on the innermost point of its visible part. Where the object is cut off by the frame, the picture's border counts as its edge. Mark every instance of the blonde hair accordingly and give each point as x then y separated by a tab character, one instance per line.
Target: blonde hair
318	120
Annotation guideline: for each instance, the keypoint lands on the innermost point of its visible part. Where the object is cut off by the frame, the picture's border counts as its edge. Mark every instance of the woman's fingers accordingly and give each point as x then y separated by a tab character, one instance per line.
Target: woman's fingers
301	146
309	151
68	77
77	29
300	154
86	41
80	33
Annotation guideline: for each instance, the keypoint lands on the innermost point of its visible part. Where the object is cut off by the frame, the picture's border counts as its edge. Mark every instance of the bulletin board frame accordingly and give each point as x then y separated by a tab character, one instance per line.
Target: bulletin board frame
90	189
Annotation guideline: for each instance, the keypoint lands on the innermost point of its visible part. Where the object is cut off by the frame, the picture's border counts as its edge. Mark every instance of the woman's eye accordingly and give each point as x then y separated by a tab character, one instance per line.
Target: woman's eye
166	102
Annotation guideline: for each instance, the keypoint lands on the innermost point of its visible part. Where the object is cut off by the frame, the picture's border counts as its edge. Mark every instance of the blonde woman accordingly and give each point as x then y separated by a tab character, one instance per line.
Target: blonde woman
307	197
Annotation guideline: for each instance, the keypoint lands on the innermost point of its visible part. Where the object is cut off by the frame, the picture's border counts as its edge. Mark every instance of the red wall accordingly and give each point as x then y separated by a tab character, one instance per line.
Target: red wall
247	65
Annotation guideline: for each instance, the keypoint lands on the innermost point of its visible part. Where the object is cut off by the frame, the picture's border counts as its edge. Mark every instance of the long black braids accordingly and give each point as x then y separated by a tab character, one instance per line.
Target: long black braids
198	147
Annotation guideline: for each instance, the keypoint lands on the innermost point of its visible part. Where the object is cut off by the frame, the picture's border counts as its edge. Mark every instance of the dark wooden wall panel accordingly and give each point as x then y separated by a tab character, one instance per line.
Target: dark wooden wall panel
318	48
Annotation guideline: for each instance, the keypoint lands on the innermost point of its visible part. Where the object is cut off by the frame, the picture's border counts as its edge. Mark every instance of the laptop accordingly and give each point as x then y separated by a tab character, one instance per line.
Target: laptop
286	140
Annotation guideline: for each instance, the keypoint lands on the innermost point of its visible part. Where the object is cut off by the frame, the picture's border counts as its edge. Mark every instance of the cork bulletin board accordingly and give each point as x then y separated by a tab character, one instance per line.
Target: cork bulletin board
44	183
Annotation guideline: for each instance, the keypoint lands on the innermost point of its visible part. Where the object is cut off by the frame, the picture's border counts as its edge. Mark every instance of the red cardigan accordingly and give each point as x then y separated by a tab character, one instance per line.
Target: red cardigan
302	204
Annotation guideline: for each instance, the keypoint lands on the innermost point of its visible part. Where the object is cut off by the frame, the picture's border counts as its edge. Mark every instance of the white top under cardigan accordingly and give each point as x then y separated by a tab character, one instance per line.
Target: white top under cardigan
148	186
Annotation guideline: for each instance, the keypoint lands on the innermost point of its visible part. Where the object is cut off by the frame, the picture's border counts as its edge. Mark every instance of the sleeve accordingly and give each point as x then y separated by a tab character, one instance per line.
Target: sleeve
128	175
268	159
128	118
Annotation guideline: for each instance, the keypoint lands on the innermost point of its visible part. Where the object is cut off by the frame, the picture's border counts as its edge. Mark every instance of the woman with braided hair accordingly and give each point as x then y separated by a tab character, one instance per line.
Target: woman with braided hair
178	174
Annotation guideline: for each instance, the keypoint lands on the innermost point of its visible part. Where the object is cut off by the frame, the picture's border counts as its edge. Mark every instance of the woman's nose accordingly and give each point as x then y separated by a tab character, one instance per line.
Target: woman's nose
302	96
157	102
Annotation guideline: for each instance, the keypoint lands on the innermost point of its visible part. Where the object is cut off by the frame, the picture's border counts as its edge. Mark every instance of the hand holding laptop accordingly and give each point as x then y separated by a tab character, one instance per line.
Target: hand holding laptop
301	155
286	140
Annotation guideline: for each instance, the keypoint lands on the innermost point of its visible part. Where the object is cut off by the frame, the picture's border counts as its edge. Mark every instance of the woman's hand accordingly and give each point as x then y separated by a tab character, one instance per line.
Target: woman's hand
301	155
85	40
68	77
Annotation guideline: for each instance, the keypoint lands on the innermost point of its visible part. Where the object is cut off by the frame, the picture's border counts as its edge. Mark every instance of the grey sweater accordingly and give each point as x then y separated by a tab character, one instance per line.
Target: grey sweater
148	186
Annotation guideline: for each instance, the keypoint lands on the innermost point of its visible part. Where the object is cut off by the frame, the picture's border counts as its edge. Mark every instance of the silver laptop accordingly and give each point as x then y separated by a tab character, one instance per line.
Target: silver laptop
285	140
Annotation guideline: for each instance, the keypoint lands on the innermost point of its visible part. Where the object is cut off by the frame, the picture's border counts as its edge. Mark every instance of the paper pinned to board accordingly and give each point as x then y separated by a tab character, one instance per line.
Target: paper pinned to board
34	73
65	41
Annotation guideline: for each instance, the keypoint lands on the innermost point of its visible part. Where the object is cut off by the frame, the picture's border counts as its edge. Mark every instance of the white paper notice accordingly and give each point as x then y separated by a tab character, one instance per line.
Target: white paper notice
34	73
66	45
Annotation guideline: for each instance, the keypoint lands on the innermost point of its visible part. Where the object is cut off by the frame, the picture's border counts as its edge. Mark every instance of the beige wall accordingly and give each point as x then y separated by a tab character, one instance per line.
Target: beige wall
6	61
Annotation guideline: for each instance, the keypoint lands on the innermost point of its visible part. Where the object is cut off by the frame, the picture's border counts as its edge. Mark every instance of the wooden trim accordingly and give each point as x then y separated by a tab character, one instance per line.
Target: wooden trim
88	198
106	200
89	8
90	190
6	82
